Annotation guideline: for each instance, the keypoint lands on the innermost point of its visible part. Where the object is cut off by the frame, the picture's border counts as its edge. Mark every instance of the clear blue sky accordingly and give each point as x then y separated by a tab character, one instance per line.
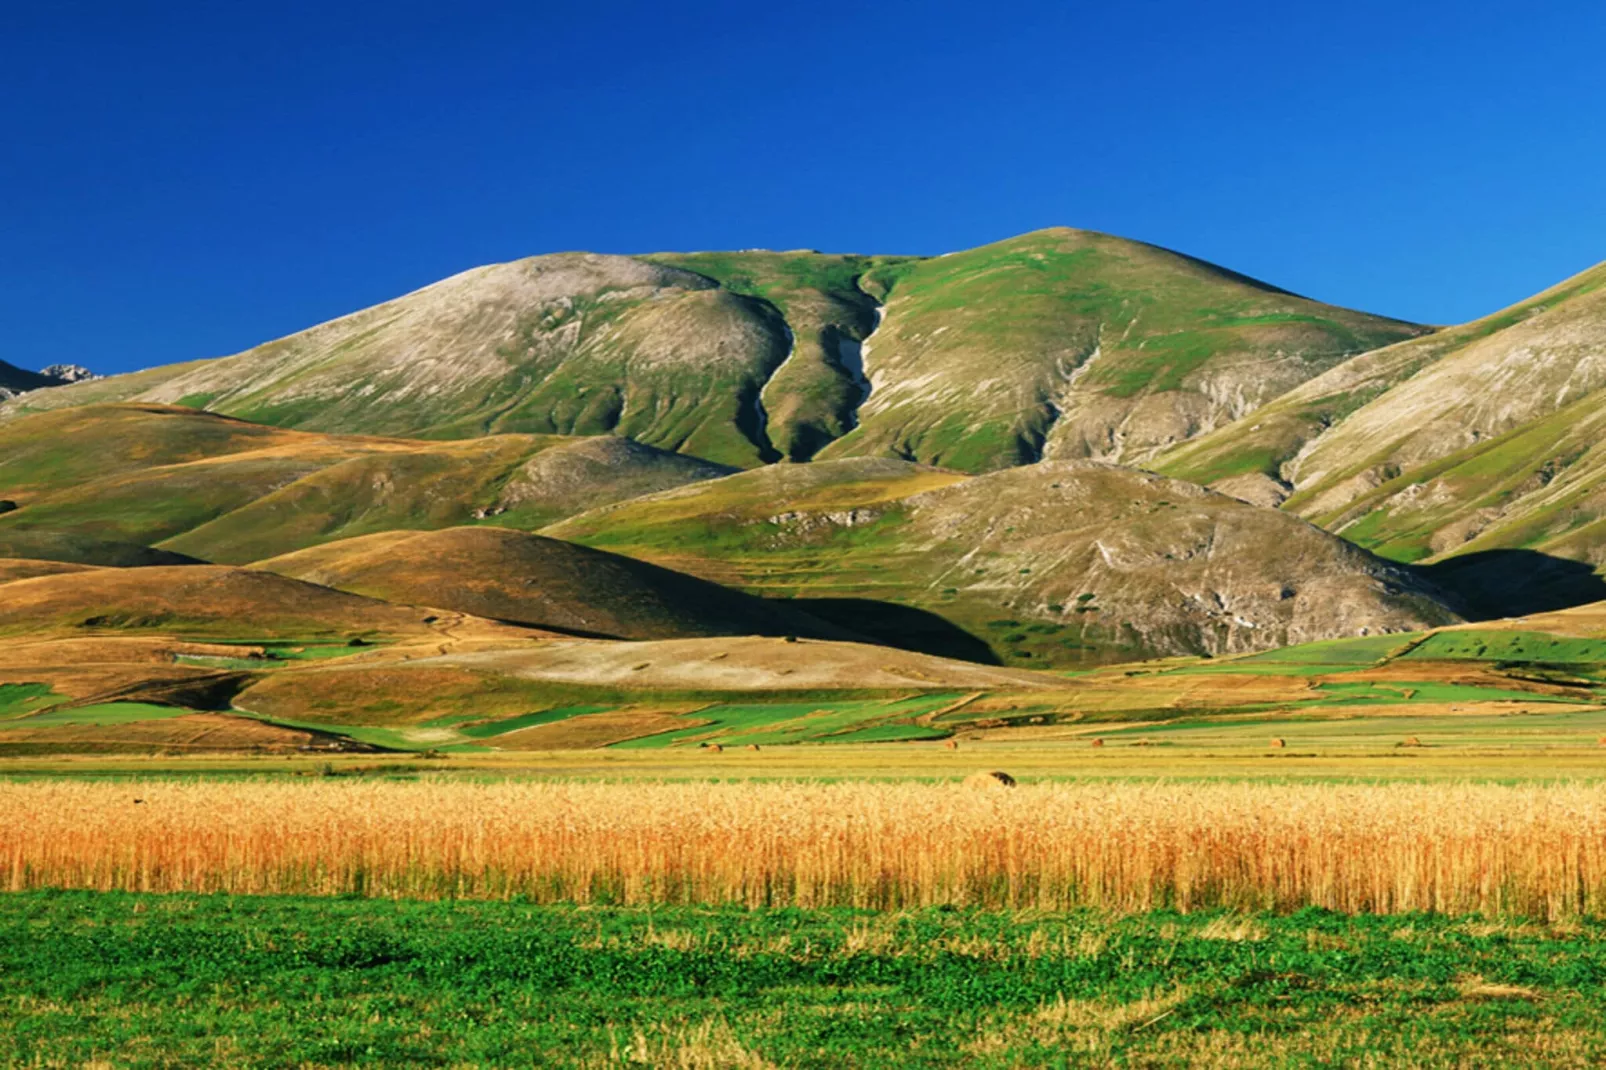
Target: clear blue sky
182	180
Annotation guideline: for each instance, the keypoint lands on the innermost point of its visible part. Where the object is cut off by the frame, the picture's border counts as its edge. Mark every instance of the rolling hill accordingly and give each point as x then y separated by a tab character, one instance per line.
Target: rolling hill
1061	343
1062	562
196	600
529	579
85	481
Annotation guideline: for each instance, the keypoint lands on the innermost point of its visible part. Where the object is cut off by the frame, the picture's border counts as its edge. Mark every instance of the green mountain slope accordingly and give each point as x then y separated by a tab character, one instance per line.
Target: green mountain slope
1060	563
1485	437
1061	343
1067	343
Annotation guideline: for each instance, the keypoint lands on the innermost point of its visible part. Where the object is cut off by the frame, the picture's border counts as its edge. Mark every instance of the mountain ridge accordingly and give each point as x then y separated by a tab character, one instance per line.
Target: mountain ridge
748	358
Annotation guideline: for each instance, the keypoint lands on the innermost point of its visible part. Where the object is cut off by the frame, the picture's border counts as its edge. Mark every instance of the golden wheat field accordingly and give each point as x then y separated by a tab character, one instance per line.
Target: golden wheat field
1531	850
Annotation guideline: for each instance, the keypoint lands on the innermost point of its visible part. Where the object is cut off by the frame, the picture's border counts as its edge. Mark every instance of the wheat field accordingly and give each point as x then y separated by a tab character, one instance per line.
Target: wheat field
1535	850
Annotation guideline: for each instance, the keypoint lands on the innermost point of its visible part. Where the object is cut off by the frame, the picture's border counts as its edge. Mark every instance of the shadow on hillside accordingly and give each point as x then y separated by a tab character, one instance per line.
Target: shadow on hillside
1513	583
903	627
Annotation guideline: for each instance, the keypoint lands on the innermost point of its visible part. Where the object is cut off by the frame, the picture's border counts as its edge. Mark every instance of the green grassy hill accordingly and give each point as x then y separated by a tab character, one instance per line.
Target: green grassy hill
1068	343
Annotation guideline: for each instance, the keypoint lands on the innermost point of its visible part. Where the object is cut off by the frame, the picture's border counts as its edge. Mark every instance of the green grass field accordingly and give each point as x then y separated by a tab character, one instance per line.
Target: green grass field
129	980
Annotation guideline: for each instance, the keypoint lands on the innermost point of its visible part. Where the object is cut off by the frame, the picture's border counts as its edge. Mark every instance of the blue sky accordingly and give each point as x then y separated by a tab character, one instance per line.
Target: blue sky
186	180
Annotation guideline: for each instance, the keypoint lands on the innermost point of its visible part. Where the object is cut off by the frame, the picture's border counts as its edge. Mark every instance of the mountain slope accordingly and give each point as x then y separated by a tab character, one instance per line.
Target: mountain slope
566	344
1064	562
528	579
1067	343
1481	438
1060	342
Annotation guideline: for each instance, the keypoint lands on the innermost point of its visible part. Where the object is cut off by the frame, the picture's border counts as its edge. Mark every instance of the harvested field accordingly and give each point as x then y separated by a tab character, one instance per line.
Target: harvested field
596	730
739	664
1456	849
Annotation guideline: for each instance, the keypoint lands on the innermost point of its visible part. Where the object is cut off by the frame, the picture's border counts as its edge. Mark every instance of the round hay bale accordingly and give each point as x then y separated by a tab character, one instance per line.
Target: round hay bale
1411	741
752	746
715	747
992	779
953	744
1098	743
1279	742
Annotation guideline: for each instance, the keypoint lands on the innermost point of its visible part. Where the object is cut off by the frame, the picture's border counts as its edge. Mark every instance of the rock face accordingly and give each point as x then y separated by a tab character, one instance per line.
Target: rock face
1060	343
1062	562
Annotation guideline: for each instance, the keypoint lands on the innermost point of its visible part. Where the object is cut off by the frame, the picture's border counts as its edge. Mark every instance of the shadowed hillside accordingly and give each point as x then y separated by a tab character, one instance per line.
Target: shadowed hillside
528	579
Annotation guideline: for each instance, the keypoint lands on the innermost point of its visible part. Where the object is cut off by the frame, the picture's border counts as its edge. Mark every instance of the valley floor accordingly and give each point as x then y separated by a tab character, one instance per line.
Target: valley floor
91	979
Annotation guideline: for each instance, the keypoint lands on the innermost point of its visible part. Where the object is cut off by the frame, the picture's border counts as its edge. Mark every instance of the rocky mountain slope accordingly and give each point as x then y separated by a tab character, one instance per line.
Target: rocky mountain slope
1062	561
1480	438
1060	343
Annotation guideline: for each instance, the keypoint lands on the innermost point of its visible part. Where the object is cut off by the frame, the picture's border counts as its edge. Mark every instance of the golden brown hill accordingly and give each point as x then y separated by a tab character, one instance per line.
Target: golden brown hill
741	664
16	568
530	579
104	483
201	600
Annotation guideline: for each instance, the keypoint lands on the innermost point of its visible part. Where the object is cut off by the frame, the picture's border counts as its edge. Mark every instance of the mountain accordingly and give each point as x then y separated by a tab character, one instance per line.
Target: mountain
15	381
528	579
1062	562
68	373
1481	439
1062	343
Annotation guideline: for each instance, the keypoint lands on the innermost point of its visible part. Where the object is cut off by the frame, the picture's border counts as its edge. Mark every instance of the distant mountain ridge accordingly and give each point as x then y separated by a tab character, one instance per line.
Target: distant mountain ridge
15	381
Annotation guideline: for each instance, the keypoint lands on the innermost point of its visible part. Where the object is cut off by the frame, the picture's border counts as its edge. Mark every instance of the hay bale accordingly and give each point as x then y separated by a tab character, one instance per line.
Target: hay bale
752	746
715	747
1098	743
1279	742
953	744
992	779
1411	741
